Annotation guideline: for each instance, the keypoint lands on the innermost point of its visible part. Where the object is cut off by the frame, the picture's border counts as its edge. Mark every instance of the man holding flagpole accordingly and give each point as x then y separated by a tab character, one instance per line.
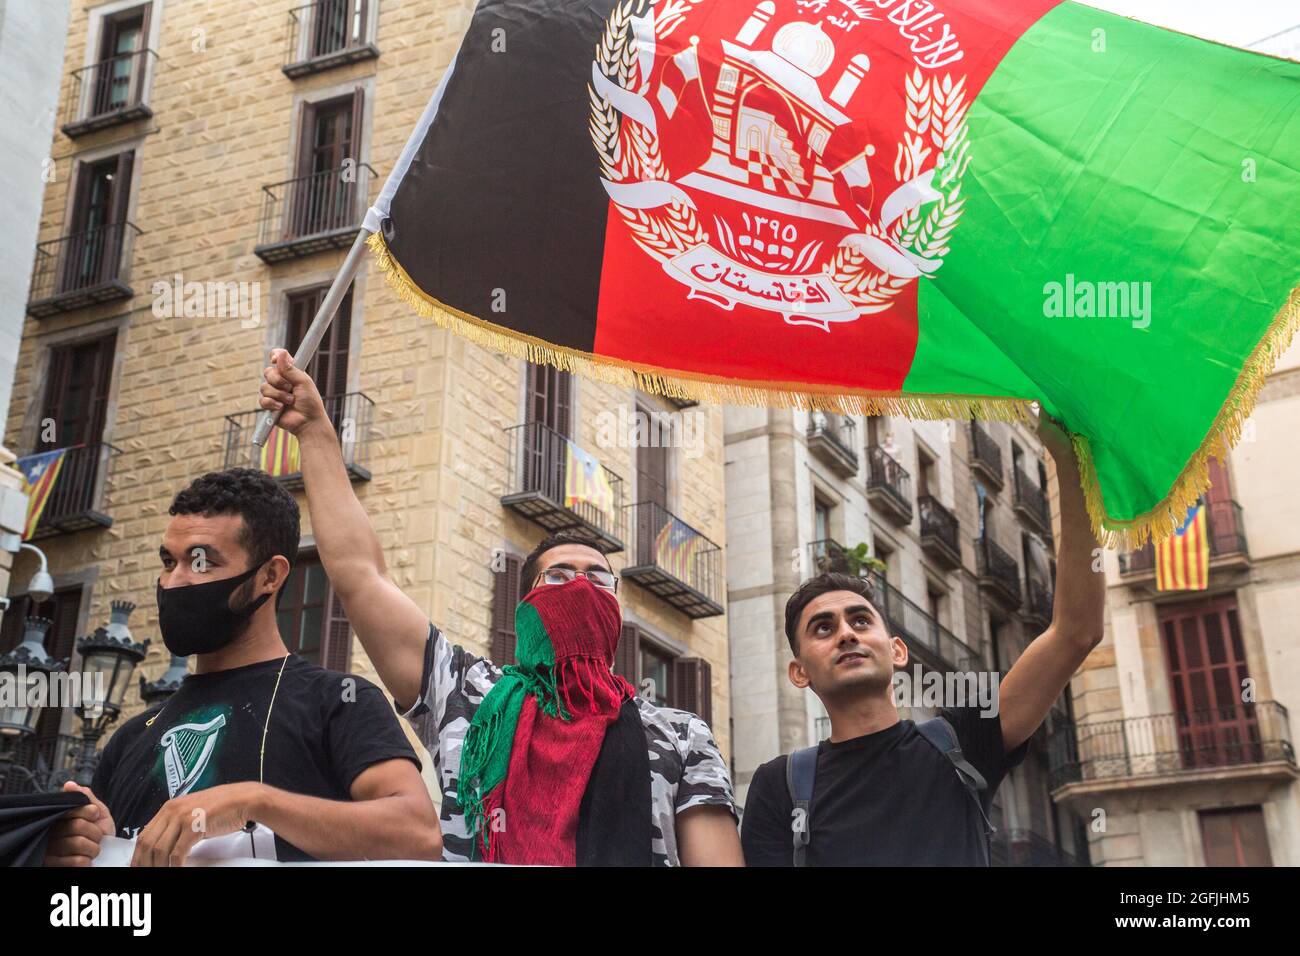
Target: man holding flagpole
553	760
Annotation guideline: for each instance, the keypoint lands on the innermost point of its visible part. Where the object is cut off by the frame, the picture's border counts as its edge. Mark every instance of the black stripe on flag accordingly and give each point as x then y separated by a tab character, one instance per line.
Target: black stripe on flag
504	193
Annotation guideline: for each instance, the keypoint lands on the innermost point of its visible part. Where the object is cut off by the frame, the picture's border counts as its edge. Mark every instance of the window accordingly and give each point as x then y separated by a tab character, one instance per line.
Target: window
505	597
1235	837
821	520
684	683
93	249
655	682
311	618
926	484
119	77
73	415
329	366
326	196
1206	662
336	25
652	462
549	401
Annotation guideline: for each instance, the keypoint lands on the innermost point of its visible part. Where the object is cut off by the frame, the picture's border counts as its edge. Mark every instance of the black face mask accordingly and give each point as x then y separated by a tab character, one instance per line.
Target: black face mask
197	618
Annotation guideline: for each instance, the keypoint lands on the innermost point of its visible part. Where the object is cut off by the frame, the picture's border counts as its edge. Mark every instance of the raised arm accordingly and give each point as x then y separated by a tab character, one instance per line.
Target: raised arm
392	627
1078	608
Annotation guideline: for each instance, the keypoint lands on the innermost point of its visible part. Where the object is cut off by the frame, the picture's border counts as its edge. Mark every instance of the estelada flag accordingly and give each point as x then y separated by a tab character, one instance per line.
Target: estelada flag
937	208
39	472
585	482
1183	558
280	455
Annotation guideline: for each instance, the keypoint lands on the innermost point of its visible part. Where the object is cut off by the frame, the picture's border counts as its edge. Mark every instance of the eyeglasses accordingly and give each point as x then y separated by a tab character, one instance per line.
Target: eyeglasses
597	576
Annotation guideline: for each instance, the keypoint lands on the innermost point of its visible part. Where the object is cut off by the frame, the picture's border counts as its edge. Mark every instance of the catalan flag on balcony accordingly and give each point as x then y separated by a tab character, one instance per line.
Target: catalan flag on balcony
40	472
676	546
585	482
1183	558
940	209
279	456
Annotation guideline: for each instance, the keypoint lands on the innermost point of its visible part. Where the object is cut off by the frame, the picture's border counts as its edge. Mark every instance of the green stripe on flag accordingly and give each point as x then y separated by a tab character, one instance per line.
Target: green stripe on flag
1134	155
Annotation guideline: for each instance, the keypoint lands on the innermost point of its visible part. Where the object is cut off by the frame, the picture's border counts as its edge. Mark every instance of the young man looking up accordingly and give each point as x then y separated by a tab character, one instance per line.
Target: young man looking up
882	793
566	764
256	734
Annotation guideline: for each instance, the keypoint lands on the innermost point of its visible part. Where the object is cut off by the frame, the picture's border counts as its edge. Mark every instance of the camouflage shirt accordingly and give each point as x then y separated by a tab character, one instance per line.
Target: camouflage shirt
686	768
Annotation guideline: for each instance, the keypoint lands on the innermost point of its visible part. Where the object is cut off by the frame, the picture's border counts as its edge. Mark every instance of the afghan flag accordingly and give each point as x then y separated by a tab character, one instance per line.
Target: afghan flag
39	472
1183	558
934	208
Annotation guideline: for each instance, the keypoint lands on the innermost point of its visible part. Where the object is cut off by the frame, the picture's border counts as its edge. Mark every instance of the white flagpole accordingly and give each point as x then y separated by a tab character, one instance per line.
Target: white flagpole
319	325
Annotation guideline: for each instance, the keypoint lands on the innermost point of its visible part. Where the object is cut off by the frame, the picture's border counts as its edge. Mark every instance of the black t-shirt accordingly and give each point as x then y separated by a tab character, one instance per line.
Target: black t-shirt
884	799
325	729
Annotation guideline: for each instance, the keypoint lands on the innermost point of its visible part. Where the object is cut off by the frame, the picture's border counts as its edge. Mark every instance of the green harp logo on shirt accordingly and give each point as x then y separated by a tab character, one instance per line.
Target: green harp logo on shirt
187	750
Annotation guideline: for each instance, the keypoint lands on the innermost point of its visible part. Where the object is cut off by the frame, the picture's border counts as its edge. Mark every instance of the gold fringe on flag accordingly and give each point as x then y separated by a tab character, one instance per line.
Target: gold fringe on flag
1162	520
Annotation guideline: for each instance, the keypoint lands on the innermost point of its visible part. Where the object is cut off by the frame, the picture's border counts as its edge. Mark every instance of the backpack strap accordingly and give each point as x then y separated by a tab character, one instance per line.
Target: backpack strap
800	774
940	734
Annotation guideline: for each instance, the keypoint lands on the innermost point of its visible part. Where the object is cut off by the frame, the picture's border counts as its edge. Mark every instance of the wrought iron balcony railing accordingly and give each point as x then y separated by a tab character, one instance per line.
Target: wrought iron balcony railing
938	647
674	561
82	268
38	764
998	571
1019	847
1030	501
939	531
833	438
1226	533
889	484
309	214
326	34
826	555
353	417
558	485
1215	738
75	501
108	93
986	456
1038	602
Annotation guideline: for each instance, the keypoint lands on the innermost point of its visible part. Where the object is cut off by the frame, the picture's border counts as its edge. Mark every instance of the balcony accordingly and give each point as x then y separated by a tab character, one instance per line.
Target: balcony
999	574
889	486
939	532
327	34
310	214
673	561
82	269
833	439
109	93
1241	740
826	555
937	647
560	487
352	415
985	456
77	495
1038	603
1227	539
1030	503
1017	847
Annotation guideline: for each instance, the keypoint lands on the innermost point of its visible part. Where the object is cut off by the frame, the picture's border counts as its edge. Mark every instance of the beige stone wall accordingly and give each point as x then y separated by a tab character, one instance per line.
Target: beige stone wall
224	125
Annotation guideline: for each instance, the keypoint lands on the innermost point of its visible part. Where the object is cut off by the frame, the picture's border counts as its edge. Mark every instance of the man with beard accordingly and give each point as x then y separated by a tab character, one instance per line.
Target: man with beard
890	792
256	735
551	760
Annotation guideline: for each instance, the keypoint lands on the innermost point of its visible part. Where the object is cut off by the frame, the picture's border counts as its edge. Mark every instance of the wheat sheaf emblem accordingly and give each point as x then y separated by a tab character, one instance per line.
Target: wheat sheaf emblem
629	153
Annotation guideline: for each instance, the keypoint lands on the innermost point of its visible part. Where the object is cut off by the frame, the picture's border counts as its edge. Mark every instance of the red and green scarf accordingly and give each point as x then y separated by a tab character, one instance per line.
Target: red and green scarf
530	749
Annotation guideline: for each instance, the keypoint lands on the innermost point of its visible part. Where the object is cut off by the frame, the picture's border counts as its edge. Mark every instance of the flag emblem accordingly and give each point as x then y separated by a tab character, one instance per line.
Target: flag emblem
40	472
676	548
279	456
586	483
744	164
1183	558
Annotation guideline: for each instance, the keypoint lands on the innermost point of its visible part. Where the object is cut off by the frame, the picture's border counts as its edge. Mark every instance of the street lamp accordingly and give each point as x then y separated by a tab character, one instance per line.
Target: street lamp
108	657
156	691
25	669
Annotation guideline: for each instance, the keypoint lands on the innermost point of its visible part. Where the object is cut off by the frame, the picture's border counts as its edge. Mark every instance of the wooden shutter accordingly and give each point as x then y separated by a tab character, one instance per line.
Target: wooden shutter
505	597
692	688
337	653
1235	837
627	656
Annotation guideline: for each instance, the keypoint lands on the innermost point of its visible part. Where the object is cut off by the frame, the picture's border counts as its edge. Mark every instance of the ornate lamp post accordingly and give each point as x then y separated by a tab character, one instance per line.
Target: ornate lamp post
159	690
108	658
26	670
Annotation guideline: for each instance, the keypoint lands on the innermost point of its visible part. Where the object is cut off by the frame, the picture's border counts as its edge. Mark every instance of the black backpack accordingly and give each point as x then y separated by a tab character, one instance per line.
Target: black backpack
801	773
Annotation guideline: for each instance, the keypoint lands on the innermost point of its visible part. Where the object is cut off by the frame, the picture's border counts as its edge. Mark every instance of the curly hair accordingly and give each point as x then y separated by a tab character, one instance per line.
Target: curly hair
815	587
528	573
271	518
